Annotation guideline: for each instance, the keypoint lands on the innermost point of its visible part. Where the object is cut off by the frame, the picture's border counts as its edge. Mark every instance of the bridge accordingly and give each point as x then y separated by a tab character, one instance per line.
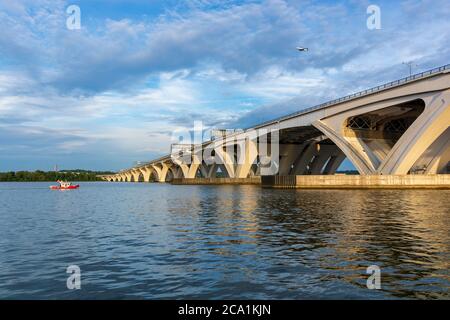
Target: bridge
398	128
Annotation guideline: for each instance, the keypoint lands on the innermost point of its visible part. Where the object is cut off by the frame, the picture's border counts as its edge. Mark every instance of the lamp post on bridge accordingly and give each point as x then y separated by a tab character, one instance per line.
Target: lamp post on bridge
410	65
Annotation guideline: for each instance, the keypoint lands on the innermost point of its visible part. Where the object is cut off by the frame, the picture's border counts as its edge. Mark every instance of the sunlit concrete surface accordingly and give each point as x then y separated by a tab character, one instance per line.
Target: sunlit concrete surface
426	181
206	181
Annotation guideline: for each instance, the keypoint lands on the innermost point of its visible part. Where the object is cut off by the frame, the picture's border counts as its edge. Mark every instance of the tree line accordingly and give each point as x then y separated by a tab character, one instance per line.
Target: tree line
68	175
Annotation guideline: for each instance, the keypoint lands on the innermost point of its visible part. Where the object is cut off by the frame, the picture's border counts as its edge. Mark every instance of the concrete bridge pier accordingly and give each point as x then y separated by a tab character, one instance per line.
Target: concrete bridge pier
426	129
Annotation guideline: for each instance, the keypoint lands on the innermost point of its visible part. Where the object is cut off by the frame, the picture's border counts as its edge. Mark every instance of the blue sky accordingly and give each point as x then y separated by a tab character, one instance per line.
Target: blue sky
113	92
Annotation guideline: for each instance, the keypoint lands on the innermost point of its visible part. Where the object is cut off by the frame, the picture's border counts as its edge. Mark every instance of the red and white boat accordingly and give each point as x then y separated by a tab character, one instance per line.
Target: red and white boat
64	185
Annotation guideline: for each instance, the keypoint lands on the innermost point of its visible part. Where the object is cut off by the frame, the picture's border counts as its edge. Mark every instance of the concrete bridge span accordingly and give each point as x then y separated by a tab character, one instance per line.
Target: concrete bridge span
399	128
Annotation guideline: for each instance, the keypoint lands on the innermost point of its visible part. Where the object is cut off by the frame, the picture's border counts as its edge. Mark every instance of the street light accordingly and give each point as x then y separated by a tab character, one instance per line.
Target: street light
410	64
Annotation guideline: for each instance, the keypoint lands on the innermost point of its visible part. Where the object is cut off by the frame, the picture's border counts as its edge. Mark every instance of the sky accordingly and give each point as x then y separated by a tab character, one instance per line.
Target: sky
114	91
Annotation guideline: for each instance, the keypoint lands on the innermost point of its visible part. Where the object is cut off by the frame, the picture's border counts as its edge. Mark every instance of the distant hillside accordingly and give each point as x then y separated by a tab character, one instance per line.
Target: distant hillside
69	175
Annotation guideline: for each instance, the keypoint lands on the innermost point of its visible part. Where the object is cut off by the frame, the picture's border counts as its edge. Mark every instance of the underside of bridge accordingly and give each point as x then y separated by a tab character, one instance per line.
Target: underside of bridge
411	137
306	151
378	131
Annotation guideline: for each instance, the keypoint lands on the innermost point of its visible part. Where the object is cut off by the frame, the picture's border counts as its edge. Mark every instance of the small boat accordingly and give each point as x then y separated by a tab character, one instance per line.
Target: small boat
64	185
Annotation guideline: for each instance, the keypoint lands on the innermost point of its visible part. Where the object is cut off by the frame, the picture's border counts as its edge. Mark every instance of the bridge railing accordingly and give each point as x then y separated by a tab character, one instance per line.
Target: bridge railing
382	87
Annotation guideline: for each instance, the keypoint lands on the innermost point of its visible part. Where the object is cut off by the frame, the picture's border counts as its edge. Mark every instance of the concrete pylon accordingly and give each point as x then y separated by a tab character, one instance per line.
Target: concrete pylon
436	159
289	153
334	163
427	128
128	176
208	171
377	149
176	171
247	154
135	175
324	155
161	171
146	173
226	160
350	146
189	171
302	165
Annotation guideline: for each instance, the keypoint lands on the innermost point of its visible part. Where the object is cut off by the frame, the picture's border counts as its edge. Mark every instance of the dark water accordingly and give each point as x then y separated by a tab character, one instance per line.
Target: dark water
158	241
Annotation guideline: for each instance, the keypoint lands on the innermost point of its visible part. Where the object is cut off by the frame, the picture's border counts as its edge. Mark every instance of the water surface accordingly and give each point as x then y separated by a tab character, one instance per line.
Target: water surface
158	241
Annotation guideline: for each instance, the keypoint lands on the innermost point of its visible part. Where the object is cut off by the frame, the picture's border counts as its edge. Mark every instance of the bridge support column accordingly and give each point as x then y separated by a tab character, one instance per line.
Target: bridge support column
247	153
146	173
428	127
289	153
176	171
323	157
379	149
189	171
161	171
350	146
226	160
301	166
208	171
136	174
334	163
128	176
437	158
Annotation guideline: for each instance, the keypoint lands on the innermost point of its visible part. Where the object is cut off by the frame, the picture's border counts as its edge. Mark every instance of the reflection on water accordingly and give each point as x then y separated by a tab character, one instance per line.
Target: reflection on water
160	241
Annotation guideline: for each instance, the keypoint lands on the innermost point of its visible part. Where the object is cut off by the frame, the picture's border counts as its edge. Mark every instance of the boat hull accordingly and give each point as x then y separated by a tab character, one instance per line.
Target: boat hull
65	188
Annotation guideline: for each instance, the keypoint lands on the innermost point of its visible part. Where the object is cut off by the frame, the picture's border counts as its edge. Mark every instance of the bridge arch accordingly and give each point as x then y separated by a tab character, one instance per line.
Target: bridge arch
374	137
137	176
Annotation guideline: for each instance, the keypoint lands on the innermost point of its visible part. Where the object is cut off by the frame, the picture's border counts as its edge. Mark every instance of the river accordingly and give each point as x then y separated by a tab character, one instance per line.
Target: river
158	241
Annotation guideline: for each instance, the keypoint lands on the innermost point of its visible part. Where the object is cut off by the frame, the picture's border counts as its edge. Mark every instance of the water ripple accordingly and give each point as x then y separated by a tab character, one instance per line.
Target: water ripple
156	241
